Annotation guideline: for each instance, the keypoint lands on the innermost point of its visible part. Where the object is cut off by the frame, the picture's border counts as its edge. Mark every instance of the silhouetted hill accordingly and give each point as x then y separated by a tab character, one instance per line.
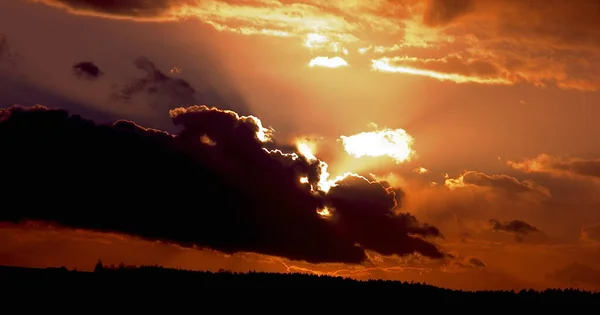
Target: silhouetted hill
168	281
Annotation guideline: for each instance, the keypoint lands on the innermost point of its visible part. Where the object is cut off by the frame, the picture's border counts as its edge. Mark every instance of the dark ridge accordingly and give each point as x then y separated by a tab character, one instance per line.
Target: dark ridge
161	280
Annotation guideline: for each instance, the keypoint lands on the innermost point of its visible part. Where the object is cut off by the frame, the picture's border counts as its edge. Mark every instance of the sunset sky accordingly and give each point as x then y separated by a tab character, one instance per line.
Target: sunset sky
475	122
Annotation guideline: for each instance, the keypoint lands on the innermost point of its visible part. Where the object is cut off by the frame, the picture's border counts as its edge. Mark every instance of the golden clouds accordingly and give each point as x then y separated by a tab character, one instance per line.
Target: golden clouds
391	65
560	166
484	42
504	182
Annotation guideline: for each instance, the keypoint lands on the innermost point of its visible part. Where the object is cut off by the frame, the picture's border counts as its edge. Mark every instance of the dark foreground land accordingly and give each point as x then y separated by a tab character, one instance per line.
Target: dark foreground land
165	281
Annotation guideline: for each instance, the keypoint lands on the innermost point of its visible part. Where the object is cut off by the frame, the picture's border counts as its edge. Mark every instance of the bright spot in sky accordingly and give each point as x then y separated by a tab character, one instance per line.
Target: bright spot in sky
394	143
314	40
307	149
421	170
324	212
334	62
205	139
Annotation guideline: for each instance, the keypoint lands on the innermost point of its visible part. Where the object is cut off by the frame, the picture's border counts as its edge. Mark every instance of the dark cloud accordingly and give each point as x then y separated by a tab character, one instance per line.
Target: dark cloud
232	195
159	87
469	262
476	262
442	12
87	69
161	90
516	227
142	9
504	182
361	203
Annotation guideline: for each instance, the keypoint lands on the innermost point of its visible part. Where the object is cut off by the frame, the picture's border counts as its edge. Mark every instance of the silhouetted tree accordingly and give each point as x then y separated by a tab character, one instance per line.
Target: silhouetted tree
99	266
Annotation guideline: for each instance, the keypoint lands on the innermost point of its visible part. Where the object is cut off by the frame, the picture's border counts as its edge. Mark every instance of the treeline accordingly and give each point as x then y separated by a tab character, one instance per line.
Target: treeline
158	279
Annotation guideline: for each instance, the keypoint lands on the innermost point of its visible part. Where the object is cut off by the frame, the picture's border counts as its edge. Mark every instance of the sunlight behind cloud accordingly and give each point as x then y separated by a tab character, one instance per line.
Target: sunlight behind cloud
328	62
314	40
307	148
394	143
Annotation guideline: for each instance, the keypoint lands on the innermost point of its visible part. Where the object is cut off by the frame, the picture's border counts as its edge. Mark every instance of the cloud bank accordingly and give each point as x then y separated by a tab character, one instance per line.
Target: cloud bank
215	184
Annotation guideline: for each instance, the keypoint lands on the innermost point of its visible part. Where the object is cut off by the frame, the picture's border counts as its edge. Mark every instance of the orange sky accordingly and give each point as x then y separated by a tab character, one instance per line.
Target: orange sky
499	98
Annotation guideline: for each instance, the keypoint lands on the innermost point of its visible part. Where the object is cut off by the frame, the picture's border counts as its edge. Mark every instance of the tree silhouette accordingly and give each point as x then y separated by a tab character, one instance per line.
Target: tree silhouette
99	266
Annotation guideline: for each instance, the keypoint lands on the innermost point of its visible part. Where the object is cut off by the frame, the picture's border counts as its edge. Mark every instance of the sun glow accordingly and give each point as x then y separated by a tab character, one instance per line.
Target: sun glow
327	62
394	143
314	40
324	212
421	170
307	149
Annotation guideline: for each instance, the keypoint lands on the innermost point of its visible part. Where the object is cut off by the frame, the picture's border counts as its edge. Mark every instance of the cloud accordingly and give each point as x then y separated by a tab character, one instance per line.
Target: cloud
506	183
129	9
87	70
476	262
462	206
486	42
161	88
164	90
560	166
468	262
516	227
231	195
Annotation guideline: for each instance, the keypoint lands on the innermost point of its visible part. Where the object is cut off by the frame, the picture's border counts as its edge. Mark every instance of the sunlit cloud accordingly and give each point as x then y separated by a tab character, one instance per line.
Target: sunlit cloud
327	62
307	148
498	182
393	143
314	40
386	64
499	42
324	212
421	170
263	134
560	166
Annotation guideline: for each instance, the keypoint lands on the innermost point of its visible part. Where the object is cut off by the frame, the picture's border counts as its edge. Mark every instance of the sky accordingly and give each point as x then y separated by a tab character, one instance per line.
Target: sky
448	142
